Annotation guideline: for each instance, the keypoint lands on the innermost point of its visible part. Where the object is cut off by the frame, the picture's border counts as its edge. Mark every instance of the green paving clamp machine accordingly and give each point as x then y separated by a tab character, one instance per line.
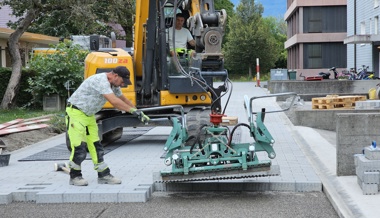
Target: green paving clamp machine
212	154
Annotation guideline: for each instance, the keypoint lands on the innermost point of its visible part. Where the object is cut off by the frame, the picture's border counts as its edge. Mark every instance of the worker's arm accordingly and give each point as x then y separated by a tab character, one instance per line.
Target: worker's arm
127	101
119	103
192	42
123	104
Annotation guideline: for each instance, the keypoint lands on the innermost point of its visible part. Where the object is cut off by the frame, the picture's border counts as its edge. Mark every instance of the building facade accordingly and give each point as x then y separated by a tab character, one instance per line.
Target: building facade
27	42
363	34
316	33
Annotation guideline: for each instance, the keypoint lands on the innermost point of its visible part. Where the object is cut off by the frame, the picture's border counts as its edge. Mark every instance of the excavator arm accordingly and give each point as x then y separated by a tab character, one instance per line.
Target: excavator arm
207	26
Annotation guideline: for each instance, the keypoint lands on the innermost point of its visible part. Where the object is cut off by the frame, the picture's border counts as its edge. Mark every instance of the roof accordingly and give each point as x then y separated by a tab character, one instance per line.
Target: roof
29	37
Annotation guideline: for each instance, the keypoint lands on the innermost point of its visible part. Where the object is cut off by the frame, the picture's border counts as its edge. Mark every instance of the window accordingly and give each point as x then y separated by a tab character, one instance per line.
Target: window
330	19
376	25
362	28
315	20
314	56
370	26
376	3
324	55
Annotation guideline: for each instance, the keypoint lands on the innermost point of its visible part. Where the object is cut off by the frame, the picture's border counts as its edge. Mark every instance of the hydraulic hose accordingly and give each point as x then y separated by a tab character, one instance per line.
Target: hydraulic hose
233	130
198	139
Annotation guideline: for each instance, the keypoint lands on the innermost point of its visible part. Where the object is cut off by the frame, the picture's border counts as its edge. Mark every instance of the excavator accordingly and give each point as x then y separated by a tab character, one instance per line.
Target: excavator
180	91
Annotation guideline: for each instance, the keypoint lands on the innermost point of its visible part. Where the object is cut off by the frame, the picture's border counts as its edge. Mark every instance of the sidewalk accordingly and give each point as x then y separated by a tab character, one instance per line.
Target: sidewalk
343	192
306	158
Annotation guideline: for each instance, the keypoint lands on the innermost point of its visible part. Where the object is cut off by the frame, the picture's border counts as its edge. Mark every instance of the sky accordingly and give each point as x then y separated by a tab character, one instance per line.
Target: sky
273	8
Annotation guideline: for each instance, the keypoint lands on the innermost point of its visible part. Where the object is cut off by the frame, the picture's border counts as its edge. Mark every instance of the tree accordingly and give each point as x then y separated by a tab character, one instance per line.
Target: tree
229	7
278	29
60	18
249	38
85	18
31	9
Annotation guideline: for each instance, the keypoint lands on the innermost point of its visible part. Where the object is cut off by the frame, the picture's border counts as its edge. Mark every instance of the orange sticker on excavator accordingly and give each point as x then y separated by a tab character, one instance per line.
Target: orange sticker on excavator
123	61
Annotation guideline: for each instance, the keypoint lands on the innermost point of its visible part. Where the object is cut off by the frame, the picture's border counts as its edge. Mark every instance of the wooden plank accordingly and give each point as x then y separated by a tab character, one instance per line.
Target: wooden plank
40	117
28	123
22	129
2	126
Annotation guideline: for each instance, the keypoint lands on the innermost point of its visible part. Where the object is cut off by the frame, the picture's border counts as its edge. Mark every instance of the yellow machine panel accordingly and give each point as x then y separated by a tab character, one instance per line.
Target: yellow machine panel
105	61
184	99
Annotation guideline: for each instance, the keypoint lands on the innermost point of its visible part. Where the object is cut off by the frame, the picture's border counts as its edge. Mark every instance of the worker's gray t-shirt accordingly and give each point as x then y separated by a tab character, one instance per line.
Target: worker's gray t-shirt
89	95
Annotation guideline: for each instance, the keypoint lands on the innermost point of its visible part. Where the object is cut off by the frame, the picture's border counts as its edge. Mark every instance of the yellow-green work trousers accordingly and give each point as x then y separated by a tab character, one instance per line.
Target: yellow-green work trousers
83	130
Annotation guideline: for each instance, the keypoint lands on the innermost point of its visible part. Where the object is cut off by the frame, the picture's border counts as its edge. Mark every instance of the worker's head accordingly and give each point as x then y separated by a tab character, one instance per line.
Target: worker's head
123	73
180	19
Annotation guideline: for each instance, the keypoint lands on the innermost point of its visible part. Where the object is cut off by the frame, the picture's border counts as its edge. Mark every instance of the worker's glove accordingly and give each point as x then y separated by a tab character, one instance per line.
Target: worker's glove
142	117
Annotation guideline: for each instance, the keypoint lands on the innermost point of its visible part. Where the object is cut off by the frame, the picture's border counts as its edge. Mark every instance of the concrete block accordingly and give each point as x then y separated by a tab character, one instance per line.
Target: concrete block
104	196
5	198
145	187
133	196
359	181
356	159
283	186
372	153
371	177
19	196
308	186
76	197
365	165
31	196
369	189
49	197
161	187
369	104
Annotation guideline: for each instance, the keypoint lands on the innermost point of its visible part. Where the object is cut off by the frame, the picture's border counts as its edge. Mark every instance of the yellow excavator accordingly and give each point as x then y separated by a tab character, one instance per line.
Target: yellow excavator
182	96
184	89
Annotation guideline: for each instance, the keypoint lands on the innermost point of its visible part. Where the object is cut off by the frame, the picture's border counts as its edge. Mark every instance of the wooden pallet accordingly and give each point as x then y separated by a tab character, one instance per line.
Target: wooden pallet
336	102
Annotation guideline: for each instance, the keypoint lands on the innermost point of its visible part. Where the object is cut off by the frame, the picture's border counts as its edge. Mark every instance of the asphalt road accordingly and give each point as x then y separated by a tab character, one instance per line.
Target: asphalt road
209	204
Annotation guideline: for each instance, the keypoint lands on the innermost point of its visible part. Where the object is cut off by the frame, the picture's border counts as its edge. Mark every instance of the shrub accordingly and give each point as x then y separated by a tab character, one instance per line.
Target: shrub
55	69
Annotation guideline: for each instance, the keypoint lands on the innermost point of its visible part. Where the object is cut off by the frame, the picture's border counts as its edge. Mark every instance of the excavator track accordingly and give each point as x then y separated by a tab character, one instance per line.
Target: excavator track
231	174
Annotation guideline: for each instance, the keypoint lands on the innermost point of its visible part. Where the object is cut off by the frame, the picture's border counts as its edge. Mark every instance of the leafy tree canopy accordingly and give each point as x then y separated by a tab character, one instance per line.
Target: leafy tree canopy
249	38
63	18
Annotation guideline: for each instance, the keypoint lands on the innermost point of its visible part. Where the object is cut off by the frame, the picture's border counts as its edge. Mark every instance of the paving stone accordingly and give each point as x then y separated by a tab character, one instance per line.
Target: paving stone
372	153
5	198
49	197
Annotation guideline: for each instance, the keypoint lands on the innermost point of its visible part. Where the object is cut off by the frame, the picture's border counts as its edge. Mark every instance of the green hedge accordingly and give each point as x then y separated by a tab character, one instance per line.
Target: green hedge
22	97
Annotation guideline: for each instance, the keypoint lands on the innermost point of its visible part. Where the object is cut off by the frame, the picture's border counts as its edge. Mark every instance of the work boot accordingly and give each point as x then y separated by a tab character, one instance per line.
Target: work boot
109	179
78	181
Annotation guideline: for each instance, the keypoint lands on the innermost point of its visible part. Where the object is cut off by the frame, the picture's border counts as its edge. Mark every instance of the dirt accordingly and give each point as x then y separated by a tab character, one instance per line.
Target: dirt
15	141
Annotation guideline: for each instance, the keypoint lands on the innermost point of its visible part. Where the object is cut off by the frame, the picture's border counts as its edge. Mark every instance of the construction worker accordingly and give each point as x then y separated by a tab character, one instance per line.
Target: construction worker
81	124
182	36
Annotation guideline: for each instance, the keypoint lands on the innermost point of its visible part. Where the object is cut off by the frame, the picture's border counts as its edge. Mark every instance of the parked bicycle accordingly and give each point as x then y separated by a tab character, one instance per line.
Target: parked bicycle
363	73
343	75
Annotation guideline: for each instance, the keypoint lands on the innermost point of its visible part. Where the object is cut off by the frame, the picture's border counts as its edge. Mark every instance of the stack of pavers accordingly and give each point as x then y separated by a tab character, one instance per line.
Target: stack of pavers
368	169
370	104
